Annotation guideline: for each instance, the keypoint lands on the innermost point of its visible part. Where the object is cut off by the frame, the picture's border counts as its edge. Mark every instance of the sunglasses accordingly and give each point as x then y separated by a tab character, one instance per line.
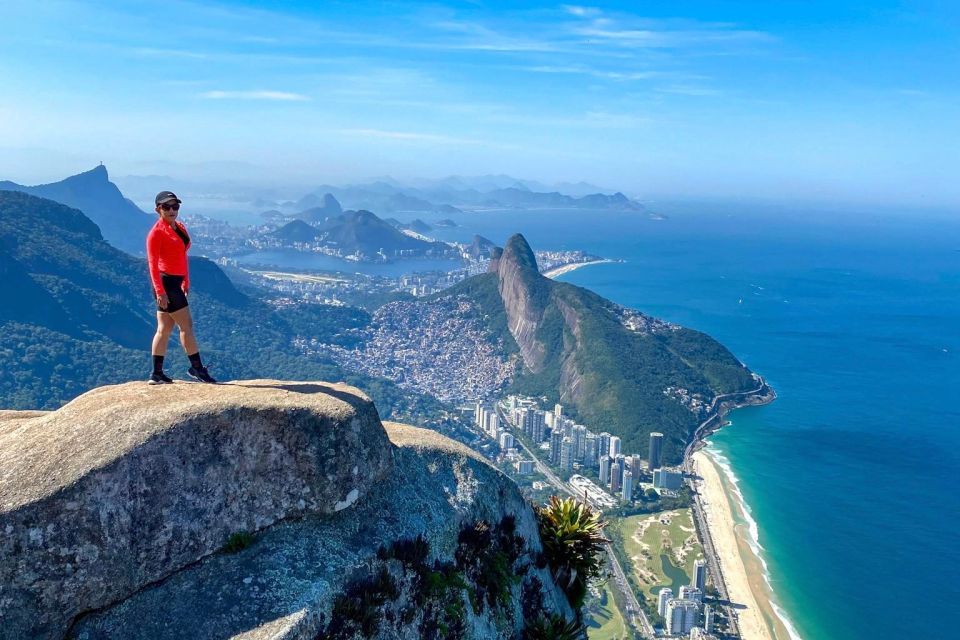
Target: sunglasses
175	206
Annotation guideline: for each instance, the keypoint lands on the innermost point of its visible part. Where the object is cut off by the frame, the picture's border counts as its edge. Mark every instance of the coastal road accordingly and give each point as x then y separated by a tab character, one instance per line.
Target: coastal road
715	415
634	612
699	519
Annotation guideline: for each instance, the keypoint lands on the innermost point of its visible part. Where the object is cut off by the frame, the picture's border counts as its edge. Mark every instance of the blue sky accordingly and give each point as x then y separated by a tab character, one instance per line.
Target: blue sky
829	101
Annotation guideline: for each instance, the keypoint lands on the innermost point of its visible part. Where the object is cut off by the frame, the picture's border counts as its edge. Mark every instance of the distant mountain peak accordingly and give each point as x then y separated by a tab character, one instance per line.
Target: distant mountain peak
97	174
122	223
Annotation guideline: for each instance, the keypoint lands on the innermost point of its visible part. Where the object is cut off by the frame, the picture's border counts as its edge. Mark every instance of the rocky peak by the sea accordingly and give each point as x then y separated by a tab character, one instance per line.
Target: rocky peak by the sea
525	295
255	509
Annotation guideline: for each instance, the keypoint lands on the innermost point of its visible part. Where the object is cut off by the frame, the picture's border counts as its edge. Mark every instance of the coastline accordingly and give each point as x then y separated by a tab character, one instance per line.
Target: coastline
567	268
728	532
734	544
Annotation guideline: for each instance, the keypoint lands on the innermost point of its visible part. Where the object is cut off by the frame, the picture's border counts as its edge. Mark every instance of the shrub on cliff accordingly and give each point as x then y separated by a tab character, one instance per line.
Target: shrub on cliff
572	535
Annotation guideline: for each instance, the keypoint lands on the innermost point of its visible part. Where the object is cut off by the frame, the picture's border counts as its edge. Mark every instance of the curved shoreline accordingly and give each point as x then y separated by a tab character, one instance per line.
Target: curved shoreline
567	268
728	531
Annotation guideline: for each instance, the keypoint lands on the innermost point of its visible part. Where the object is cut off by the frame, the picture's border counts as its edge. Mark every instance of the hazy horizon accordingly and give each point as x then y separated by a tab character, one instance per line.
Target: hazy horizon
813	102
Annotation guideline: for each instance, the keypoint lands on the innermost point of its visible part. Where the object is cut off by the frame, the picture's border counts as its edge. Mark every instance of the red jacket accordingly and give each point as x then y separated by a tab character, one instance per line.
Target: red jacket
167	252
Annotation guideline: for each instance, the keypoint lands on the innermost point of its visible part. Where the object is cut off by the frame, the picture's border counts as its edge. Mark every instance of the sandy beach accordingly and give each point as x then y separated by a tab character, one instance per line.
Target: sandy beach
567	268
743	571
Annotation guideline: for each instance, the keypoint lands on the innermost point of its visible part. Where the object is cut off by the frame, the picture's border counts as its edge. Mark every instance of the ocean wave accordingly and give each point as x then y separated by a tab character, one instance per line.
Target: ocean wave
753	541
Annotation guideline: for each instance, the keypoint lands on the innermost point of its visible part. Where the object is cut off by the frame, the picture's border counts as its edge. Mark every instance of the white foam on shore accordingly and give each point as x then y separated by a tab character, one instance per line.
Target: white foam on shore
753	541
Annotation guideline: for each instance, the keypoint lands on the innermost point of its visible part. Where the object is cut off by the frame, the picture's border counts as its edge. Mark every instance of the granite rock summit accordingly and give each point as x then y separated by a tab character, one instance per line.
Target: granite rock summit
117	507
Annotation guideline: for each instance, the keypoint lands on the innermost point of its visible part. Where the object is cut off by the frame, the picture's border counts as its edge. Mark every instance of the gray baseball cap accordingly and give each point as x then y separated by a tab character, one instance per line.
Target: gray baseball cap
166	196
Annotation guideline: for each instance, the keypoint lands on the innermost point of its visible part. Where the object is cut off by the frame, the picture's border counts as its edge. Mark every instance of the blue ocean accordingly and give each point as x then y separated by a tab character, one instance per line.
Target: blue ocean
854	318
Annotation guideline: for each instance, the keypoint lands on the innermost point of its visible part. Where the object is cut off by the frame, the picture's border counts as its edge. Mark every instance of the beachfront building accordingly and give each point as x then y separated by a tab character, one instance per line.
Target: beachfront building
665	596
663	479
656	451
699	579
689	592
681	616
708	618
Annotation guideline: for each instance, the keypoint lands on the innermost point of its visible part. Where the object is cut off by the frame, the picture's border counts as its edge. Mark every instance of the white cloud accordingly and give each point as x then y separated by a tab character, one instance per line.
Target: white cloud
282	96
597	73
672	38
582	12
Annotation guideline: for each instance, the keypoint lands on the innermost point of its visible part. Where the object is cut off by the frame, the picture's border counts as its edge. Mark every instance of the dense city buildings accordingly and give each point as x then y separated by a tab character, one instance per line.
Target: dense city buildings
403	342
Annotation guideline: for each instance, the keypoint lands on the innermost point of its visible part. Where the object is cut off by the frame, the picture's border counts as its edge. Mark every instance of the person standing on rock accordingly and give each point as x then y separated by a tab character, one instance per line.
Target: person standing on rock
167	245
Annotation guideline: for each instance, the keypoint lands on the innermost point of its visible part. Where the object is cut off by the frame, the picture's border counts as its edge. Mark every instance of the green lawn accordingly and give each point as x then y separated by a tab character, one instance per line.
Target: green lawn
663	555
603	618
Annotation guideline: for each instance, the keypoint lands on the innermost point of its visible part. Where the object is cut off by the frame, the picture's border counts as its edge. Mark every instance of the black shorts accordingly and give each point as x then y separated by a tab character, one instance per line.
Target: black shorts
173	285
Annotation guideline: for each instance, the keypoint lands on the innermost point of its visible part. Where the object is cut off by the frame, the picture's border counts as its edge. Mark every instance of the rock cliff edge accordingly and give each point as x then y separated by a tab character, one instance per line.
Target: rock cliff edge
256	509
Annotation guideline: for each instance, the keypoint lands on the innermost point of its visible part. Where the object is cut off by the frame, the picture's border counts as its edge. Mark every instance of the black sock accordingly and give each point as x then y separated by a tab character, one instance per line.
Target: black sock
195	361
158	364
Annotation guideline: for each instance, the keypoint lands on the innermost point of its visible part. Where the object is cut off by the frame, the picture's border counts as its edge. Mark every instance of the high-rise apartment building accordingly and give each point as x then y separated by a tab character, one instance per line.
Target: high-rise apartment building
665	596
590	451
556	439
566	454
699	578
616	476
614	446
681	616
708	618
656	451
663	479
627	491
579	442
604	443
690	592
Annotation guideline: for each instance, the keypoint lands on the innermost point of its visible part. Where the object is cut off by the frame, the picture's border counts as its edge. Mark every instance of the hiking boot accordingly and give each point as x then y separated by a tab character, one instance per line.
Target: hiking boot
200	375
159	377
